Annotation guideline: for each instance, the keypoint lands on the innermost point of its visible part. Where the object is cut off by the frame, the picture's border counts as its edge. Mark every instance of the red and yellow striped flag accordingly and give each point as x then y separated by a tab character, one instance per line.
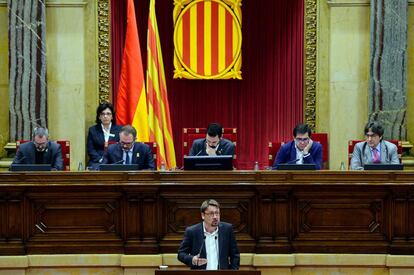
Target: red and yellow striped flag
158	109
131	103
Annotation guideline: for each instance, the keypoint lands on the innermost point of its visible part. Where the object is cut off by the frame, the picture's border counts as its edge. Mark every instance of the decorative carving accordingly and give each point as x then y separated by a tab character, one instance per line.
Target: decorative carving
104	50
310	62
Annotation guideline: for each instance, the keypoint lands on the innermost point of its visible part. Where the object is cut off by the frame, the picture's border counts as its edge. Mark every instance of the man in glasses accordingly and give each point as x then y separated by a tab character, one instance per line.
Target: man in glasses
374	149
301	150
210	244
213	144
127	151
40	151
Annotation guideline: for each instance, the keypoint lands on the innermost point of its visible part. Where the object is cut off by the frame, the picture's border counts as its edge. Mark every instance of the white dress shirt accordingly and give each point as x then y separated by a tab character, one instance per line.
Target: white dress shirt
212	249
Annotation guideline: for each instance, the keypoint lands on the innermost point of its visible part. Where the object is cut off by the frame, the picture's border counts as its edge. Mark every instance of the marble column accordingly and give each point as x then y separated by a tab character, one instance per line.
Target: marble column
27	67
388	66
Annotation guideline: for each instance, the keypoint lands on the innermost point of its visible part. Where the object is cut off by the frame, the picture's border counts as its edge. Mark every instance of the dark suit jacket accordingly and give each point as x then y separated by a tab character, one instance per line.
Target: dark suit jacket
193	240
52	155
141	155
226	147
287	154
96	143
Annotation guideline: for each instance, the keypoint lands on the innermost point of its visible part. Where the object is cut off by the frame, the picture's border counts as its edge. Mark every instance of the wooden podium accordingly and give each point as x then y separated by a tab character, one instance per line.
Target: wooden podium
206	272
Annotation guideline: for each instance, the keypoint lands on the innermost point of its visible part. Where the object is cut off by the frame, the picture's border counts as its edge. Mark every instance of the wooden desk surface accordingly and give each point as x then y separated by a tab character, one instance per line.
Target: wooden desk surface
147	212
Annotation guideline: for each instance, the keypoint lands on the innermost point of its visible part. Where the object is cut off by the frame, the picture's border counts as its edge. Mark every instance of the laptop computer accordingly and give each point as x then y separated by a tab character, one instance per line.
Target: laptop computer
30	167
222	162
294	166
383	166
118	167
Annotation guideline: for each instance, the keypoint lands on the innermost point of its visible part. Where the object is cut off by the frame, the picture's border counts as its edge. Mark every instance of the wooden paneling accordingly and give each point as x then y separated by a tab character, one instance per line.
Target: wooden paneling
147	212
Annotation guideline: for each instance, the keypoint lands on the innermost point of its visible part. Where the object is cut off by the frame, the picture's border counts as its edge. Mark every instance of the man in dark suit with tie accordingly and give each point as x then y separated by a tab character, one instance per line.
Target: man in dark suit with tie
210	244
213	144
127	151
40	151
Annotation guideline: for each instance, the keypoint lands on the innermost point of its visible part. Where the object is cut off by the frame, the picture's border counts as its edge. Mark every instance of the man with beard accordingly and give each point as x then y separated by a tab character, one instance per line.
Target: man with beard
210	244
127	151
374	149
213	144
40	151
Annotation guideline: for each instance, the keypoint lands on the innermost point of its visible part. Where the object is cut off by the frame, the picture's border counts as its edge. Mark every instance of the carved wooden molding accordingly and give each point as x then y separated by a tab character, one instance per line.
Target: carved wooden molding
310	62
104	50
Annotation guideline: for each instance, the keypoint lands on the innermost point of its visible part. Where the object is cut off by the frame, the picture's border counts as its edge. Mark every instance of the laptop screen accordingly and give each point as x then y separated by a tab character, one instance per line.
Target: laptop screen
222	162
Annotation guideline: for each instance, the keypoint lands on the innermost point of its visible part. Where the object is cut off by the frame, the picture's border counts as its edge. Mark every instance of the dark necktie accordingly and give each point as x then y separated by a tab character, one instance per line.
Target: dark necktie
127	160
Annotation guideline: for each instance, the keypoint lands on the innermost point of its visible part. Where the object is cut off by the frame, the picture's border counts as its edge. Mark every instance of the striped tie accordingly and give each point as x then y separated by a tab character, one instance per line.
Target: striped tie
376	156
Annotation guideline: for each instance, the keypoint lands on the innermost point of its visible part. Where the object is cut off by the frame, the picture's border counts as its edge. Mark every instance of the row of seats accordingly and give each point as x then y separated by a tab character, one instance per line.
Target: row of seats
190	134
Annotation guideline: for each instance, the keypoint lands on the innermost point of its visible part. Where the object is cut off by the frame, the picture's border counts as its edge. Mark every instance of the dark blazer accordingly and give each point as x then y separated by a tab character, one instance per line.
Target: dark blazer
141	155
229	256
287	154
52	155
96	143
226	147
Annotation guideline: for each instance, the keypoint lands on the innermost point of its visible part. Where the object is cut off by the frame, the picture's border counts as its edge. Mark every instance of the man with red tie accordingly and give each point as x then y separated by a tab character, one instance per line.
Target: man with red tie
374	149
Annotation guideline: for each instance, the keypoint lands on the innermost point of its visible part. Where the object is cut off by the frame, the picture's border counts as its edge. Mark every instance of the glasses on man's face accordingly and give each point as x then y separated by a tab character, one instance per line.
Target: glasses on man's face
212	214
126	143
106	114
302	139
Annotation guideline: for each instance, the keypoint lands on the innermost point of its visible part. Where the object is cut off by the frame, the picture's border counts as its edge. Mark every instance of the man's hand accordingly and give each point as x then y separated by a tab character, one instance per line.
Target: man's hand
308	147
199	261
210	151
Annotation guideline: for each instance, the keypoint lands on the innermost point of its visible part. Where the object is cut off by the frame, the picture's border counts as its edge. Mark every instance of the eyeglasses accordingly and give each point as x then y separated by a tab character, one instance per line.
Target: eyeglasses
302	139
106	114
127	144
212	214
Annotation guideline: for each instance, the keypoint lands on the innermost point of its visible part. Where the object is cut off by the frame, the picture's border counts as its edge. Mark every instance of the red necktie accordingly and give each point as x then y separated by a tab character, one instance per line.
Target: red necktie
376	156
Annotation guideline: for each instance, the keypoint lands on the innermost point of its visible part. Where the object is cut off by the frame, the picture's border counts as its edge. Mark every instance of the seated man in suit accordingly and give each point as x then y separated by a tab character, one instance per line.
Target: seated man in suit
374	149
213	144
40	151
210	244
301	150
127	151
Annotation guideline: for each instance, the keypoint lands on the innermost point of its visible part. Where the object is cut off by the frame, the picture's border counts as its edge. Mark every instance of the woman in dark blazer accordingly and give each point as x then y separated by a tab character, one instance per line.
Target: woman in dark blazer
104	132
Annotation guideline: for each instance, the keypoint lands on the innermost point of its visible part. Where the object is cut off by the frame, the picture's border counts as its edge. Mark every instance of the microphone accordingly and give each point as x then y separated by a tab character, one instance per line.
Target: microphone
201	248
18	161
199	152
218	253
118	162
292	161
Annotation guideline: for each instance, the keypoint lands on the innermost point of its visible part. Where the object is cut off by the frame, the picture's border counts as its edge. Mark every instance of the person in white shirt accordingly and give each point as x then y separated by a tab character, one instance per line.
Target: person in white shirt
210	244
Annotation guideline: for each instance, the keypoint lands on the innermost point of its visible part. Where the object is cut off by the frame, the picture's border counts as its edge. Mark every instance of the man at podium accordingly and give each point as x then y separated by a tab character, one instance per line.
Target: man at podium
210	244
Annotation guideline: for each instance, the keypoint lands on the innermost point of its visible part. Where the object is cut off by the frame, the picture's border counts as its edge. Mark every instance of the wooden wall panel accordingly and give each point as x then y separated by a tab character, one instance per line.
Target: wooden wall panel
147	212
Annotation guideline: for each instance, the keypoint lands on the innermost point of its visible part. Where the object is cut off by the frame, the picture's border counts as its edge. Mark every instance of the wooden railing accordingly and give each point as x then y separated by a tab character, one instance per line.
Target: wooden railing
147	212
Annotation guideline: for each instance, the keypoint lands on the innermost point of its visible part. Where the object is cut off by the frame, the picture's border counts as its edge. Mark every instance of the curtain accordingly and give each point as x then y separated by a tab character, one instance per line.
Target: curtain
264	106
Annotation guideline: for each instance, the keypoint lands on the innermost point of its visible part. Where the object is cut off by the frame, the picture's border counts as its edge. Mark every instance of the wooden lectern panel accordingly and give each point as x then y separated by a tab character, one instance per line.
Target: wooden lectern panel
147	212
207	272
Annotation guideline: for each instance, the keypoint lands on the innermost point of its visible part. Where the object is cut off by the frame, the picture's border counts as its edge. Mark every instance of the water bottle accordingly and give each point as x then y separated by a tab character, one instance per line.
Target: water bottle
162	167
342	167
256	166
80	166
